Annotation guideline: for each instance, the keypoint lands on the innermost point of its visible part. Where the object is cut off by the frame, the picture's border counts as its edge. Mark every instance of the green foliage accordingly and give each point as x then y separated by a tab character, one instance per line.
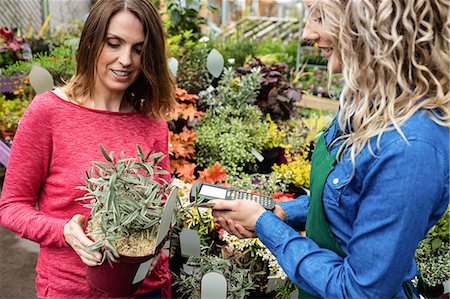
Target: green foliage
60	63
232	126
10	112
441	230
124	198
240	279
315	81
233	91
184	17
6	58
228	134
67	35
432	255
272	50
191	54
236	47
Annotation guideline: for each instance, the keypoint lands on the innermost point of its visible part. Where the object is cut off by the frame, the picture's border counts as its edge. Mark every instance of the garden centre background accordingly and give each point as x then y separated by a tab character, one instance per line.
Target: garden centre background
272	86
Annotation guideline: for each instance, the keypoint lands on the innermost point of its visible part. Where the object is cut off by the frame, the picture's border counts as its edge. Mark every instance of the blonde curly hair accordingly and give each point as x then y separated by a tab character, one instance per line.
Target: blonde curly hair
395	57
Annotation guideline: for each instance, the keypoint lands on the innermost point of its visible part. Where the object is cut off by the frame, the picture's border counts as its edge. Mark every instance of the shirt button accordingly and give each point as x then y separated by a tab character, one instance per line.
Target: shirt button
335	181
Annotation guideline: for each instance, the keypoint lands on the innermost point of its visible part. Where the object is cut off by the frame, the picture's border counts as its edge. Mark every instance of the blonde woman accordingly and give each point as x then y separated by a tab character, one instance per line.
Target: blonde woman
380	173
119	97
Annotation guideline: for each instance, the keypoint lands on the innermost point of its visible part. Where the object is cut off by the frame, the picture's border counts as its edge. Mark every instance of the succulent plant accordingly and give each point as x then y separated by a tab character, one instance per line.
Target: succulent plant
126	201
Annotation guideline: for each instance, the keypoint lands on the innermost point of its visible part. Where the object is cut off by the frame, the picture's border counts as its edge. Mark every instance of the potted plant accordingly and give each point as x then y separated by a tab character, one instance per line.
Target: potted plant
127	201
432	258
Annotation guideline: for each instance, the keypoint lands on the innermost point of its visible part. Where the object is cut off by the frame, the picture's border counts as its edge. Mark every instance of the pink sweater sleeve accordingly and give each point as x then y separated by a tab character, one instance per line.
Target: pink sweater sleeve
26	173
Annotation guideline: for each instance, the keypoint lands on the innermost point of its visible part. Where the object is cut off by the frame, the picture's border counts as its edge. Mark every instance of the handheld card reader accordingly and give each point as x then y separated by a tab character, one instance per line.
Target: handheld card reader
210	191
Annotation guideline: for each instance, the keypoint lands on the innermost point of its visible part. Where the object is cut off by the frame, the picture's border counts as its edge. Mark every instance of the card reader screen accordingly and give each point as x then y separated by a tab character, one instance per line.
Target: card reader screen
213	192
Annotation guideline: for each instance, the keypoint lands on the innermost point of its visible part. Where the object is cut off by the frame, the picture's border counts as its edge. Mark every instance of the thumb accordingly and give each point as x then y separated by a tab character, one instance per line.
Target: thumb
79	219
218	204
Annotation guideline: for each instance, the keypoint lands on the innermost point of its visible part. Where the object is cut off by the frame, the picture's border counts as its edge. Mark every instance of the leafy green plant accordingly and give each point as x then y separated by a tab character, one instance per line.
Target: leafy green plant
433	253
126	203
236	48
191	54
240	280
60	63
184	16
301	131
10	112
233	91
67	35
277	50
228	135
218	248
315	81
232	127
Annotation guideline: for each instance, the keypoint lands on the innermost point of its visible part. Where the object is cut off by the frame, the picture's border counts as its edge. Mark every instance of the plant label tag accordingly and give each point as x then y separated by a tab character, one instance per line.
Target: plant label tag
257	155
213	285
142	271
166	217
189	243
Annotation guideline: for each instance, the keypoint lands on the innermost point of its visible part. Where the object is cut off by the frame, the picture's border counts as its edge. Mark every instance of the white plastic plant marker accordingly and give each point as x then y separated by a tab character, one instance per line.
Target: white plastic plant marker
166	247
274	283
173	66
142	271
257	155
40	79
214	285
188	269
189	243
166	217
215	63
294	294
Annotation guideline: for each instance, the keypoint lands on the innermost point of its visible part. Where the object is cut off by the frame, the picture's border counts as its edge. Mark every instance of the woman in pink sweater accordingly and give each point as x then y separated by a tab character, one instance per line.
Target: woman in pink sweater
119	97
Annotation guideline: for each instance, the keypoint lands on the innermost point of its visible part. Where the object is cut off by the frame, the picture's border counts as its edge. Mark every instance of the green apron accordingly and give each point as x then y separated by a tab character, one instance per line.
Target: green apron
317	226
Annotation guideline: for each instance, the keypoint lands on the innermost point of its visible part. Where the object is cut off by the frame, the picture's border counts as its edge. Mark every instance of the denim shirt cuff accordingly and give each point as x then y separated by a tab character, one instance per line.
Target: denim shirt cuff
266	229
289	210
296	211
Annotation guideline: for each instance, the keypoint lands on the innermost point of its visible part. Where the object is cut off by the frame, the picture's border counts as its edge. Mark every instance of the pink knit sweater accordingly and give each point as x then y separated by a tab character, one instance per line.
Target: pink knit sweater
53	148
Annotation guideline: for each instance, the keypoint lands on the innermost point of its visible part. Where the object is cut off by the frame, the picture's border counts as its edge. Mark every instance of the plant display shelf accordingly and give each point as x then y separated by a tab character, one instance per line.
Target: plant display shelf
260	27
320	103
4	153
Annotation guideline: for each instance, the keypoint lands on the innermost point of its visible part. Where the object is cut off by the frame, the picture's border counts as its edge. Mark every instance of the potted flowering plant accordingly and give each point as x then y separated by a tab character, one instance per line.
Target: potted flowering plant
127	201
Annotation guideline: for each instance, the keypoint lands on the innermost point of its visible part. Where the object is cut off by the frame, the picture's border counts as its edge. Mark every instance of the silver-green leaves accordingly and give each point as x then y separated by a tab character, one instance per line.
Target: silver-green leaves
125	198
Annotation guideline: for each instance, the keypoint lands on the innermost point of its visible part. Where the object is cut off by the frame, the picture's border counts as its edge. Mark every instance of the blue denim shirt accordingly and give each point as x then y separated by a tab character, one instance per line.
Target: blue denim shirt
378	217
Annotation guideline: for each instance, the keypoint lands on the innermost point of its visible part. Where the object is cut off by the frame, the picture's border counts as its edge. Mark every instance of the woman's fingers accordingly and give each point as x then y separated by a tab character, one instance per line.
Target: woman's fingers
232	228
245	232
77	239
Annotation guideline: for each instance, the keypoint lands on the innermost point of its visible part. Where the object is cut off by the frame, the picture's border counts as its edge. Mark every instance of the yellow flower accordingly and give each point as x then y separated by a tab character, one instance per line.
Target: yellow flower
298	169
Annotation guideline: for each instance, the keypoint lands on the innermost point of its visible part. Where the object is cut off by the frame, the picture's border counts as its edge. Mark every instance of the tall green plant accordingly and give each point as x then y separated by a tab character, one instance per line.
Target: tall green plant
234	91
184	16
230	136
191	54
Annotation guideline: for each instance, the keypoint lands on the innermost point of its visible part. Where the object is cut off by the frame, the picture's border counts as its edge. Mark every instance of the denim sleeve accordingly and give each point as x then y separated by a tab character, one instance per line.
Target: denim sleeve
401	197
296	211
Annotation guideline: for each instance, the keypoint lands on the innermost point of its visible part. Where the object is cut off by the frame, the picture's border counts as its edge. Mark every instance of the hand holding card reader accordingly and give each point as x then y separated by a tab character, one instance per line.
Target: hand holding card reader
210	191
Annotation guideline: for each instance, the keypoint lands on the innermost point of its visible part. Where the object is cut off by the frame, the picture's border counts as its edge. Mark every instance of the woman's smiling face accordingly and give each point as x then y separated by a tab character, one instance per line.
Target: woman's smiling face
119	61
316	31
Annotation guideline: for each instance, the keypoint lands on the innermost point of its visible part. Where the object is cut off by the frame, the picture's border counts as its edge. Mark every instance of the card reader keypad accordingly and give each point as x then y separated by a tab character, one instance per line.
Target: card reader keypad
267	202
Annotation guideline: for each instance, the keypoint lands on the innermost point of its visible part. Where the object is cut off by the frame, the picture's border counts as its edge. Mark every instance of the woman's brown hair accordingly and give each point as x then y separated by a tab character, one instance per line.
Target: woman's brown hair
153	92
